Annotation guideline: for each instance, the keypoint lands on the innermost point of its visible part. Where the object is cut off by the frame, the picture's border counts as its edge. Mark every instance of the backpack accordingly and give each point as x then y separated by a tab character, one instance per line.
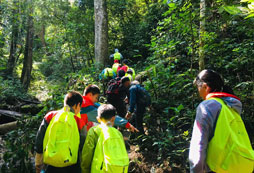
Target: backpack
232	142
110	154
113	86
61	141
144	96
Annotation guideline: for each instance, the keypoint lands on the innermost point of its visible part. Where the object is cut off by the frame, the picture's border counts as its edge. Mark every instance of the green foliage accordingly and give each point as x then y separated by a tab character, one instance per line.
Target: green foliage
20	146
20	142
11	91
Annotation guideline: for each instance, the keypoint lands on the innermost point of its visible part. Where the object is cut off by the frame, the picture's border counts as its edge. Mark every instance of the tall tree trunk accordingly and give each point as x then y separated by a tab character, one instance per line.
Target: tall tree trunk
42	36
14	39
28	57
201	35
101	32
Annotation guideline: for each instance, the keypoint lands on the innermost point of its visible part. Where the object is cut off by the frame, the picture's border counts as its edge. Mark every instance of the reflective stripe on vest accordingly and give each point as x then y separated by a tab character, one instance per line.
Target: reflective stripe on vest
230	149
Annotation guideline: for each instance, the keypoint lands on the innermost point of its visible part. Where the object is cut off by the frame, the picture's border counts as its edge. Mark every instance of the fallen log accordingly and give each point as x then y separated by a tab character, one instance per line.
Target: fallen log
30	101
10	113
7	116
4	128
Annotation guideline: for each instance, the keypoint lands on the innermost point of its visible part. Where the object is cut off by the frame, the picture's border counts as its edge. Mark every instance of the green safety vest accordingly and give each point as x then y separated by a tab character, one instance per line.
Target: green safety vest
230	151
117	56
133	74
110	154
129	76
115	67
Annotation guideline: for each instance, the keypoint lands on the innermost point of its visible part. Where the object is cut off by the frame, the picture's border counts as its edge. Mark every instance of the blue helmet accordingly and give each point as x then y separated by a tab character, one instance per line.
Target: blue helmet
116	50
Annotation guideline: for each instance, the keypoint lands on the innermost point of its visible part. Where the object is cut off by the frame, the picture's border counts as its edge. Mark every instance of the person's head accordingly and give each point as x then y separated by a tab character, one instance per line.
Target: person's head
135	82
92	92
116	50
129	71
126	82
106	113
116	61
121	73
125	62
209	81
74	100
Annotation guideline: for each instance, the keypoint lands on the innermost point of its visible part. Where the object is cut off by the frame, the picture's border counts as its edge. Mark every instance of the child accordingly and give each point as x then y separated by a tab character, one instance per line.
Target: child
71	111
90	106
104	149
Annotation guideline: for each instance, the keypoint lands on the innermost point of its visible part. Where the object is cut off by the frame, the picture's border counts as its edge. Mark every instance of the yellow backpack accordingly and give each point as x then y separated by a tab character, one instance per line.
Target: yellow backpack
110	154
61	141
230	151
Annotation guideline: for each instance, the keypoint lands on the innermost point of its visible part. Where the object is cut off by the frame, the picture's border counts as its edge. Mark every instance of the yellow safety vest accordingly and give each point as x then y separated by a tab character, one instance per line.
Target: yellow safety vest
117	56
115	67
133	73
230	151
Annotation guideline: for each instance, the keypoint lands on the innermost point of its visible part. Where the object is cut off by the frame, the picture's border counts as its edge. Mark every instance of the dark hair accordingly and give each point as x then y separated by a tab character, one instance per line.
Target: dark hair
106	111
129	71
125	61
125	79
120	73
213	80
73	98
94	89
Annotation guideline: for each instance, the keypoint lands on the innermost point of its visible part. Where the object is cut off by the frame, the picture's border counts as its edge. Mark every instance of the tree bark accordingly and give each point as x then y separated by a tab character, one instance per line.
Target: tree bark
101	32
28	57
201	35
14	39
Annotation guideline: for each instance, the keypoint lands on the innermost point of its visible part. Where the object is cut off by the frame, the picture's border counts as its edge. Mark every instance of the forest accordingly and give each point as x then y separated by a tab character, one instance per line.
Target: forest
49	47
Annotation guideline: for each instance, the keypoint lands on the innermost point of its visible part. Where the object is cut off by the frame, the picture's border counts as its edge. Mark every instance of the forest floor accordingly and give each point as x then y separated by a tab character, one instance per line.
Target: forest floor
143	161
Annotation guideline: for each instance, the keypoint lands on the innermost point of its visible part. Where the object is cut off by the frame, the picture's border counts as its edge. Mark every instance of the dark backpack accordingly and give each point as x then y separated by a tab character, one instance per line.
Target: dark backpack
113	86
144	96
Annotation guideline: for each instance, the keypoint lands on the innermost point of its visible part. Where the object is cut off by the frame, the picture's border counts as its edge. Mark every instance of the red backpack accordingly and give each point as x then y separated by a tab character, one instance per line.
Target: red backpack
113	86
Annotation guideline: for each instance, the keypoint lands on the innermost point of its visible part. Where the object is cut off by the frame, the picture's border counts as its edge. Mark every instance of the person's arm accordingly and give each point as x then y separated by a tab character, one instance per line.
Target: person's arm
40	136
133	95
111	56
88	151
114	74
203	129
101	76
39	141
91	112
119	121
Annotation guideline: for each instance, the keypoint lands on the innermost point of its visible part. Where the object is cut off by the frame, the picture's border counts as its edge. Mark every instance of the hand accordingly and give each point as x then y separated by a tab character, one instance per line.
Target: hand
38	168
38	162
133	129
128	116
126	100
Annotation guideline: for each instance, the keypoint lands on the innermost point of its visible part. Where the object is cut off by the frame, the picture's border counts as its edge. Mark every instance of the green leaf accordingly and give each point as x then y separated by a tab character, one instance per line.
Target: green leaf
172	5
249	16
232	10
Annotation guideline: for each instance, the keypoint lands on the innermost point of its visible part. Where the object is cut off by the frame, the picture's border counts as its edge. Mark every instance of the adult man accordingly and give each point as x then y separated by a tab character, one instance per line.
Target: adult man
139	100
117	92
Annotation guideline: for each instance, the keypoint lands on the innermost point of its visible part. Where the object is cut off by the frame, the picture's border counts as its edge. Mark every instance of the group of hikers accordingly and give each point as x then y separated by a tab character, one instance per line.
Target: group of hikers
81	137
